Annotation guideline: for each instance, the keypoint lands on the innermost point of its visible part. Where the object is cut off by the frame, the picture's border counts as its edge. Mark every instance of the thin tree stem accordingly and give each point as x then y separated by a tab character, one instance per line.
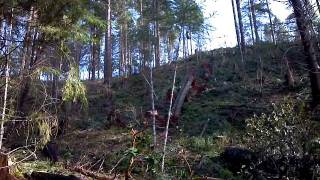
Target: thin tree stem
7	75
153	109
168	120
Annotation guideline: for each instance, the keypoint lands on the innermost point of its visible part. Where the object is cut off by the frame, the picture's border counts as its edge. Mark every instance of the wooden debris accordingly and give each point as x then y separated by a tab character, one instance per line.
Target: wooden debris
92	174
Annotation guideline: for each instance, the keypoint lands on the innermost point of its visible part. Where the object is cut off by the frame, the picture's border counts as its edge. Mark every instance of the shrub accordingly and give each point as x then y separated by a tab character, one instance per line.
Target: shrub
284	132
282	140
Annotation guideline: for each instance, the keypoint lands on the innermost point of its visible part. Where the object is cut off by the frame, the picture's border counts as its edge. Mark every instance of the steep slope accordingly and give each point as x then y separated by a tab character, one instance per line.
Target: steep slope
227	89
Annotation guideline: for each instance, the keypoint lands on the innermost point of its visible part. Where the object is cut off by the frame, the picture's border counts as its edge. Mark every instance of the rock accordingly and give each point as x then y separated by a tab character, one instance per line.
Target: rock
50	151
238	158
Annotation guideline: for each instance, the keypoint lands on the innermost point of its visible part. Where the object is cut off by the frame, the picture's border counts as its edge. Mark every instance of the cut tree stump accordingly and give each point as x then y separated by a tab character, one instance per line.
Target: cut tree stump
4	169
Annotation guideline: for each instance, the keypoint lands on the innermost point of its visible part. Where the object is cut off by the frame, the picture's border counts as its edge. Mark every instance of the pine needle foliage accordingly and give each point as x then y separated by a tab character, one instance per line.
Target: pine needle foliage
74	90
42	128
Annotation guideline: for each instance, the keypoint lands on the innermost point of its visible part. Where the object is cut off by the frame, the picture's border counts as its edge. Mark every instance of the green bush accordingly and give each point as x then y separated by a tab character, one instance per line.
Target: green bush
284	132
284	141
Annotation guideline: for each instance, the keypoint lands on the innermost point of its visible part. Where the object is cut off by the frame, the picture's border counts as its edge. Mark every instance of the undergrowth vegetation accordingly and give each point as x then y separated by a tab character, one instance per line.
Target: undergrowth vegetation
286	141
243	105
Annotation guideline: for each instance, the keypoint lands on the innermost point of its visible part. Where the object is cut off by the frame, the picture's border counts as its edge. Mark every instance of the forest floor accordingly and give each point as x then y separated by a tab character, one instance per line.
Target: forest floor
213	118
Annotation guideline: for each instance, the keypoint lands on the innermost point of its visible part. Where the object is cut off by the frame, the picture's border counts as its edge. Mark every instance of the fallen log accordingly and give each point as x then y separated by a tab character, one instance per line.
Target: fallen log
51	176
177	106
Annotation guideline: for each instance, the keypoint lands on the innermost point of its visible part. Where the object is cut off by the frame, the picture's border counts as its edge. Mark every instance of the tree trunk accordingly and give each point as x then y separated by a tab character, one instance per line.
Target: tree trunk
271	24
289	76
108	47
54	88
94	57
309	17
7	45
93	62
318	5
177	49
123	57
183	43
77	54
250	21
4	108
157	34
254	20
169	49
29	59
191	49
153	107
1	25
26	45
89	73
235	22
126	49
169	117
311	60
242	42
98	49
